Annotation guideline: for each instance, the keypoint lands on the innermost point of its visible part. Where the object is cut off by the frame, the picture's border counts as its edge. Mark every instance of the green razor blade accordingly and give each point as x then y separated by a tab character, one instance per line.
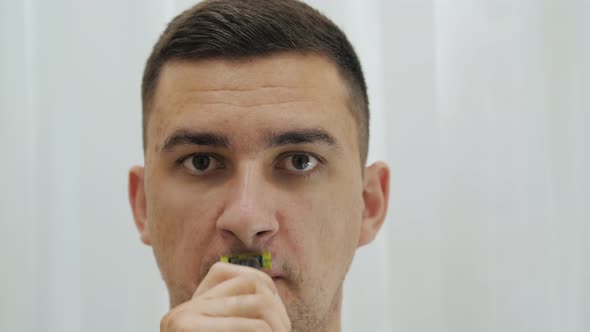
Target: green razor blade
256	260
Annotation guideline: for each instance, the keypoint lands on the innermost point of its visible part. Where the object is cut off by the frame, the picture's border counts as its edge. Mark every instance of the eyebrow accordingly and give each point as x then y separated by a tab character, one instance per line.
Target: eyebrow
187	137
273	139
302	136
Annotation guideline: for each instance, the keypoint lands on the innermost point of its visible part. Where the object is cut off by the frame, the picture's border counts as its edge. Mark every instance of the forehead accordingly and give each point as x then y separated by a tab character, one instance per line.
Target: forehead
249	96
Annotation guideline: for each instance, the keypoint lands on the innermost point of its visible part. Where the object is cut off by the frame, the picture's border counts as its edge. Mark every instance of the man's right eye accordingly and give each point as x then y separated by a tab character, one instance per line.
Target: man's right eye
201	163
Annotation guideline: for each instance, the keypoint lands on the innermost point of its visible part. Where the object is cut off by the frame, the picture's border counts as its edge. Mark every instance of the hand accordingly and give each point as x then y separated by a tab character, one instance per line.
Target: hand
230	298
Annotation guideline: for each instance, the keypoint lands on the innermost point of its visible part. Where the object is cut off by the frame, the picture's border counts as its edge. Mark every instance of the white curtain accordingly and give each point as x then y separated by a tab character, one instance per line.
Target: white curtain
481	108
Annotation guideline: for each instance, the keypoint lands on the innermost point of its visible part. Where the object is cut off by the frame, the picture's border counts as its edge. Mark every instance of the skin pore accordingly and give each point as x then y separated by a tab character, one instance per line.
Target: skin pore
258	154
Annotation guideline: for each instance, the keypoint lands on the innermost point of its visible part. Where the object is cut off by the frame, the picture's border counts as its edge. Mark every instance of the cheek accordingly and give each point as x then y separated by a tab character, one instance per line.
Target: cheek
181	224
331	222
329	229
340	228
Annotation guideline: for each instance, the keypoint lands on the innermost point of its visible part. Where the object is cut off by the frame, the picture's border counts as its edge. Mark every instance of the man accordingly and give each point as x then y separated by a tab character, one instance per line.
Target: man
255	124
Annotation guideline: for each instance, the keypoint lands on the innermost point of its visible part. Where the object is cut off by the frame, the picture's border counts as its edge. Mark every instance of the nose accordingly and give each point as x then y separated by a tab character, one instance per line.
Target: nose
249	213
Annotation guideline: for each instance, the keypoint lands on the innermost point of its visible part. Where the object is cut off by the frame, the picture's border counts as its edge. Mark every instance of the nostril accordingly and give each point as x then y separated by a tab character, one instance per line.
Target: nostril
263	233
225	233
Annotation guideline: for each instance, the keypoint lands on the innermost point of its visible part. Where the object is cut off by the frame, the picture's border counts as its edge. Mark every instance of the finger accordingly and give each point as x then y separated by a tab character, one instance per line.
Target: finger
255	306
221	272
240	285
181	323
278	314
280	309
251	284
175	318
218	273
232	324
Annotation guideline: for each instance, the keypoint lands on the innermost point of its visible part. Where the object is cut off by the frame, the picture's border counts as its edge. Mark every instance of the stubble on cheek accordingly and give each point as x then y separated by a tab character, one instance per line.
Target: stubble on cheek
186	242
167	229
331	241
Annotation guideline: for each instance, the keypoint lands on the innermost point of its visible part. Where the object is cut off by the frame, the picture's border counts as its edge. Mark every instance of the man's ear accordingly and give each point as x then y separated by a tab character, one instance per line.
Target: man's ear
138	202
376	198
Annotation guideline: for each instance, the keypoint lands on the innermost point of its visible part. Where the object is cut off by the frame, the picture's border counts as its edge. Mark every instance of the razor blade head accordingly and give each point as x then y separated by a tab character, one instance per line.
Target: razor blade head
257	260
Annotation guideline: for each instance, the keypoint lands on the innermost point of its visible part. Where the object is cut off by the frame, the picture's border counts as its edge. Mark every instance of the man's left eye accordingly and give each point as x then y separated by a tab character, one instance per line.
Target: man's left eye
299	162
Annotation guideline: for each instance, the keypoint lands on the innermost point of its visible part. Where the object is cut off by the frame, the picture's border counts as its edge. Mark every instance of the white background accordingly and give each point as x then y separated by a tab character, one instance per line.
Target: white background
481	107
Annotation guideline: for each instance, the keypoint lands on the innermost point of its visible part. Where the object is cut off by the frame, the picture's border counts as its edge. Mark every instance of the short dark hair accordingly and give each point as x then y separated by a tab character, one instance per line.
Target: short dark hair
236	29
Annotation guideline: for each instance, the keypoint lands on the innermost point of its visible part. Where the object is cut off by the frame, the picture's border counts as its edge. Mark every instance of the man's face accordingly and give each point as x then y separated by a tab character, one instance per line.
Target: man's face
249	156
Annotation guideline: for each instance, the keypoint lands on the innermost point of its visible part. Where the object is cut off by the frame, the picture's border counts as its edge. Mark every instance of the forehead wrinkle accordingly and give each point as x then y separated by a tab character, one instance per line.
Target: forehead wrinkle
253	105
241	88
247	98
